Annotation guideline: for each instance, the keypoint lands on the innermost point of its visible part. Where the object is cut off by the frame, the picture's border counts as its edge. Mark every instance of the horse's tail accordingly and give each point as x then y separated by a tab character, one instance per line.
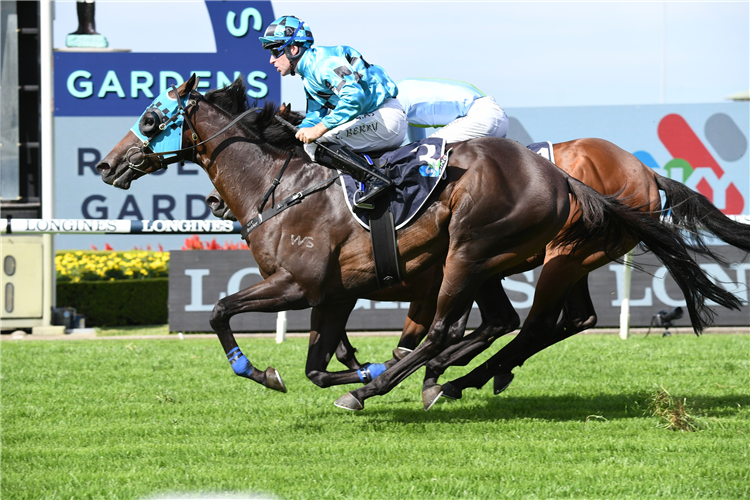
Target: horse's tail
694	213
605	220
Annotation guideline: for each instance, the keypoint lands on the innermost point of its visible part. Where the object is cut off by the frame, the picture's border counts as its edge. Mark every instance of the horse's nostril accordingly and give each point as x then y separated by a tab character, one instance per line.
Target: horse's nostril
103	168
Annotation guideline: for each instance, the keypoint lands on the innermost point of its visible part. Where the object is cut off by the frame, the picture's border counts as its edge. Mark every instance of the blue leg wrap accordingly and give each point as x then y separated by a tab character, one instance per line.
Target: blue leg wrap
240	364
370	371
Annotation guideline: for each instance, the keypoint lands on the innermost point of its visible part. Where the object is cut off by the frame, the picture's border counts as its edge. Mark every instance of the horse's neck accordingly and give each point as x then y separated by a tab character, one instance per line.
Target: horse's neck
240	168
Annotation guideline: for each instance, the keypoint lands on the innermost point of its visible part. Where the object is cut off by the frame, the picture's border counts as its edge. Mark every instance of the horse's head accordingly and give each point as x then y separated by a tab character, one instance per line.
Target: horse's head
218	207
157	130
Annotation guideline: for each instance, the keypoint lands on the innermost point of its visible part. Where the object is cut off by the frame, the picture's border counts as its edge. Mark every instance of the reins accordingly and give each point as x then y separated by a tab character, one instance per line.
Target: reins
276	182
259	219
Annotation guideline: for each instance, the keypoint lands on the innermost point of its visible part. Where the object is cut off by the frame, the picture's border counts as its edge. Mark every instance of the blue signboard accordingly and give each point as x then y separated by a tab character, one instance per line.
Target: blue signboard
124	84
99	95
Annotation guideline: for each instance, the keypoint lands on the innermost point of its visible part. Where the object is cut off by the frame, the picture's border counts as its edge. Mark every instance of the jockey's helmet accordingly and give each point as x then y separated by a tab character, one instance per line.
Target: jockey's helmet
287	31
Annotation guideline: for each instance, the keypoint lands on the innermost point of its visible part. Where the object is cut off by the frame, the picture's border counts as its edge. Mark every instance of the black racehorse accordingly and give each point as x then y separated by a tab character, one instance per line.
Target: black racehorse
500	205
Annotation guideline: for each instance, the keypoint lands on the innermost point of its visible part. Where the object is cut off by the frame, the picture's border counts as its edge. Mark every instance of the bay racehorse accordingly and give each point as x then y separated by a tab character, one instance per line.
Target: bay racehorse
500	205
563	282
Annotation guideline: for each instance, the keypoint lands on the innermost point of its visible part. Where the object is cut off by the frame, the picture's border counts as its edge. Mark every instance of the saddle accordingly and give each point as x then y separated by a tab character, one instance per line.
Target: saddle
543	149
415	169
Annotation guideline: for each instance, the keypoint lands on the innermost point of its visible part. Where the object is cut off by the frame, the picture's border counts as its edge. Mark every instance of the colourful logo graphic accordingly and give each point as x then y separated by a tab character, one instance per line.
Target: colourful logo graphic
695	166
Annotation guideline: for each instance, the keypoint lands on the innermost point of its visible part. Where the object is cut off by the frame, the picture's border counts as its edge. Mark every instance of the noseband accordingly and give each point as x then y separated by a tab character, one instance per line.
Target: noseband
146	152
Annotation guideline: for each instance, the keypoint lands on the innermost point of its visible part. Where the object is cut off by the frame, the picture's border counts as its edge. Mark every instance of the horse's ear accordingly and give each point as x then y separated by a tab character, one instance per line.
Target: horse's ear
284	110
189	85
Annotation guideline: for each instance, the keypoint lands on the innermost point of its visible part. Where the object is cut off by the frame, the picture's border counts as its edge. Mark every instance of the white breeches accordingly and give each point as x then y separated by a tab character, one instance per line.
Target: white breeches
384	128
484	119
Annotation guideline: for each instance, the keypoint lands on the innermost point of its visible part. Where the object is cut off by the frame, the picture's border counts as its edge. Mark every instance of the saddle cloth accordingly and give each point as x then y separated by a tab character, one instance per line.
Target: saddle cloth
415	169
543	149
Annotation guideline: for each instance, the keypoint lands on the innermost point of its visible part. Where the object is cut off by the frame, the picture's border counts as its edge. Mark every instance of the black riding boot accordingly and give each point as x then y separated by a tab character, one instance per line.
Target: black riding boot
343	158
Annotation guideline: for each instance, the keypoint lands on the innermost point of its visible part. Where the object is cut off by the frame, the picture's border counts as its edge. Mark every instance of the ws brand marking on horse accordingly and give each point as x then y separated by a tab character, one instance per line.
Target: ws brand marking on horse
307	241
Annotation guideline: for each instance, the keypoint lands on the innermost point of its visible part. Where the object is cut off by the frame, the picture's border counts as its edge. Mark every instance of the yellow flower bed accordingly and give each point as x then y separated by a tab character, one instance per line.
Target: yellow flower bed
78	265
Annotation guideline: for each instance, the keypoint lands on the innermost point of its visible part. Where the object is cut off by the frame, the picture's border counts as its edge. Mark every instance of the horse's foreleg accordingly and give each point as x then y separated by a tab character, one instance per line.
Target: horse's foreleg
346	353
279	292
328	331
420	316
453	307
418	320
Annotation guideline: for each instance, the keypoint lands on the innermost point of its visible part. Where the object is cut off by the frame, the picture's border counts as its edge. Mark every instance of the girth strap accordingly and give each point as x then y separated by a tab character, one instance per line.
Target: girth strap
384	244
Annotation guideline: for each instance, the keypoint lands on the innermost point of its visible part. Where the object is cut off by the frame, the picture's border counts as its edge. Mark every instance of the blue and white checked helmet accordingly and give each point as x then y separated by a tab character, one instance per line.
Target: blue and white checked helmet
287	31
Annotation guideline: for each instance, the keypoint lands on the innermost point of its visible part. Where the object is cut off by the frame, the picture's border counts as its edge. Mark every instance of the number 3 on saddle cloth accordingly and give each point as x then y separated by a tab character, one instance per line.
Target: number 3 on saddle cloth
415	170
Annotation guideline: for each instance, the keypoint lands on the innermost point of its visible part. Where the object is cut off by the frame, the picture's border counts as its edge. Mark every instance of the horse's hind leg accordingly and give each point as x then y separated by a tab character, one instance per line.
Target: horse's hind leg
453	305
279	292
578	315
446	332
498	319
557	278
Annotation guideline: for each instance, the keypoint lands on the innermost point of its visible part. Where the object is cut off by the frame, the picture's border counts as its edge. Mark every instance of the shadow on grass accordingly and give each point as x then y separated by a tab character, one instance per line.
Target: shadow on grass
571	407
106	331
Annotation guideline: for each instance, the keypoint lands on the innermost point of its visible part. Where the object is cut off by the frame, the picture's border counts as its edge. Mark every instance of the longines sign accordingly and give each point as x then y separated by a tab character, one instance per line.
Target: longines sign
197	279
96	226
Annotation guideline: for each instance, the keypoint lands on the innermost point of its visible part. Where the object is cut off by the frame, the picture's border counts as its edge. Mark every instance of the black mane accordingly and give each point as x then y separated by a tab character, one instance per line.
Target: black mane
233	100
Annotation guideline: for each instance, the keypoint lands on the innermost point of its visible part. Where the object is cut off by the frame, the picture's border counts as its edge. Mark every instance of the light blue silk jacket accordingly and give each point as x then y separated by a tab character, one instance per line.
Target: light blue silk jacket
340	85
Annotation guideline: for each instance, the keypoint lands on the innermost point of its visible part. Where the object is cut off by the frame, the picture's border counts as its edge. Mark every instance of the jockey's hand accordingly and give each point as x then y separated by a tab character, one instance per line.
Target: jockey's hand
309	134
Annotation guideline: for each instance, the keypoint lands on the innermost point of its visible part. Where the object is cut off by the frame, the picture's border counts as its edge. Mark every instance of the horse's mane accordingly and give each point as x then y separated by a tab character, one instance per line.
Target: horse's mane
233	100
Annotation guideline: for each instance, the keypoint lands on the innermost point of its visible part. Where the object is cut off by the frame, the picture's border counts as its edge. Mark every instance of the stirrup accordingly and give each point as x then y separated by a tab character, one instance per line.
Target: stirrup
373	192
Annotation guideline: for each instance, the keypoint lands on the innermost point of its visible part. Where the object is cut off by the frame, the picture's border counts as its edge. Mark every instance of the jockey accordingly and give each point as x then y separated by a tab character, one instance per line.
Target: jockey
459	108
351	104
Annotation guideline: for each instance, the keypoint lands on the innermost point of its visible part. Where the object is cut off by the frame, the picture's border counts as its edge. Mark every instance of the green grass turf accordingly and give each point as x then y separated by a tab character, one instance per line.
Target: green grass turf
141	418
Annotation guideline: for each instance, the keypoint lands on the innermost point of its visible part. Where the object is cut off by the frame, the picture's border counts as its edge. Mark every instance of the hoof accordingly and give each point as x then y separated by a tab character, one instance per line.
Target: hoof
349	402
431	395
502	381
450	391
273	380
401	352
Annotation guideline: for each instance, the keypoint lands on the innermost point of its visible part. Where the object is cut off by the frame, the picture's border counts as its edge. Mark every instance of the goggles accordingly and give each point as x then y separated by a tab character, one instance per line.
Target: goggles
277	52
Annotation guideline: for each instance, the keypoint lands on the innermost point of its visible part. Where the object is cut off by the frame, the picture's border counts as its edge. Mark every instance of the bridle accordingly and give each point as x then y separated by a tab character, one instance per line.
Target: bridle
146	151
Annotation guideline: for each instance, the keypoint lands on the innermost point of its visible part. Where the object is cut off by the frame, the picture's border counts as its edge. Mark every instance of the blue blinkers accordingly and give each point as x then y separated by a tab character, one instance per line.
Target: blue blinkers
160	126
